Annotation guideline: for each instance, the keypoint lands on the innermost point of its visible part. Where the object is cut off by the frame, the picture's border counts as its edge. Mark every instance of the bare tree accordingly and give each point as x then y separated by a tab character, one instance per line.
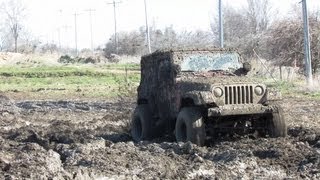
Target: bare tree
28	42
285	42
133	42
197	39
236	25
245	28
6	39
258	13
14	14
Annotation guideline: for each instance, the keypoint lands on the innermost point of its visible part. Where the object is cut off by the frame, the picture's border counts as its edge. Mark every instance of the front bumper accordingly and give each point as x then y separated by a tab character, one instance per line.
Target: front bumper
243	109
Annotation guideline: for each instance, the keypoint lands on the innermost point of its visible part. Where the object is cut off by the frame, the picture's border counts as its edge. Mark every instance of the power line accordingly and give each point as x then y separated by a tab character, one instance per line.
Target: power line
114	3
91	34
59	37
147	26
59	29
66	32
66	27
75	32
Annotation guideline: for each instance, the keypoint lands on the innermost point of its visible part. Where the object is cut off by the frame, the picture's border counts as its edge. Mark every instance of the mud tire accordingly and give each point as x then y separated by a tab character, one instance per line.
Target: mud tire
276	123
190	126
142	124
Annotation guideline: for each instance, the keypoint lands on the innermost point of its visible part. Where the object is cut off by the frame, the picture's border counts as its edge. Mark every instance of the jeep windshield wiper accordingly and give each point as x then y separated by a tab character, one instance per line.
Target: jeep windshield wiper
215	70
187	71
226	72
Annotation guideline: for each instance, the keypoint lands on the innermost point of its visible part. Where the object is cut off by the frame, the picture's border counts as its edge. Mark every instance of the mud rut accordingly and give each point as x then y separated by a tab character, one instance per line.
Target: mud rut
89	140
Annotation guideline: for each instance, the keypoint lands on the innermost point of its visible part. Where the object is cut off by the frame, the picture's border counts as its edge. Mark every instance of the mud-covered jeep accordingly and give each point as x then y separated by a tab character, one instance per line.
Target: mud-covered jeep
198	94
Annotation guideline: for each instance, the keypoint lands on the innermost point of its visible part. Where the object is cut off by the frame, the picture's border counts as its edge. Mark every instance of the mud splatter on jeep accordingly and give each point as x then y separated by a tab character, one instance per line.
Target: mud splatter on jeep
198	94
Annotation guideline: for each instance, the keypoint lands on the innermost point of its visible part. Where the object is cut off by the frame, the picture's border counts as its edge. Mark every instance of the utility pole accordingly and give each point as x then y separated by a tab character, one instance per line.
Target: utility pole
75	32
59	38
91	34
147	27
115	24
221	24
307	44
59	29
65	37
65	40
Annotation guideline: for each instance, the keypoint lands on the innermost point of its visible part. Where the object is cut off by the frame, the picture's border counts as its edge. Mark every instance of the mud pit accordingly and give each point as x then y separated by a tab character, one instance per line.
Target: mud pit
88	140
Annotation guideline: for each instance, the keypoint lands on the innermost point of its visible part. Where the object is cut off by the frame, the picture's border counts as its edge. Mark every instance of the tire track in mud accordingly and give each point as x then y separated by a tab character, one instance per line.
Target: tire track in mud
74	140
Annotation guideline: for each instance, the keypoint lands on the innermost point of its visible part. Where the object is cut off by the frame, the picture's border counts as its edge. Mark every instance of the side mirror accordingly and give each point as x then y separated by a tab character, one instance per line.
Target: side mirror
246	67
176	69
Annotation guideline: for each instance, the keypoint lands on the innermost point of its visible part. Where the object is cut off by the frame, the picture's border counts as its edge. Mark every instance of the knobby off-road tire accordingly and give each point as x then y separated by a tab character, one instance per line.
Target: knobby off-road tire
276	122
190	126
142	127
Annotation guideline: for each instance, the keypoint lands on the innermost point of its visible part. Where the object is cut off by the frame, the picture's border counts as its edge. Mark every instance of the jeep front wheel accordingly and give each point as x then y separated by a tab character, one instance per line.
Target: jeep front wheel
190	126
276	122
141	125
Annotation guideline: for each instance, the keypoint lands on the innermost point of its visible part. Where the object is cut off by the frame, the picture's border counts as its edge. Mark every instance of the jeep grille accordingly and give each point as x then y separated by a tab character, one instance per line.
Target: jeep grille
242	94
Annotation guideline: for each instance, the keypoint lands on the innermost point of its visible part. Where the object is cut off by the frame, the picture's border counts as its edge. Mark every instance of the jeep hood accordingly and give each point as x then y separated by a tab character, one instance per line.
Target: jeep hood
224	80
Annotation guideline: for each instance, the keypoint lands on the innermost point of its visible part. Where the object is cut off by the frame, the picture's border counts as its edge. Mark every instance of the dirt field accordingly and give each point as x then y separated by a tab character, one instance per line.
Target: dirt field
89	140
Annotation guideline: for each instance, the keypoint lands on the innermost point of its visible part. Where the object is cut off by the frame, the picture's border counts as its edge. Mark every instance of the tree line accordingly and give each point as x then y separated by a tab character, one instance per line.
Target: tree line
252	28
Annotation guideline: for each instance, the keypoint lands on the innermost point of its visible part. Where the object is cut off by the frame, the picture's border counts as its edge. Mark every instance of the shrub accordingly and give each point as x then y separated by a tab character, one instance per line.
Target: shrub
66	59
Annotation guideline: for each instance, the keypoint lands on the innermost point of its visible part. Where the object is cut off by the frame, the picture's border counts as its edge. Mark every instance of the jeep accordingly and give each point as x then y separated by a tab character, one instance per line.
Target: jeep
198	94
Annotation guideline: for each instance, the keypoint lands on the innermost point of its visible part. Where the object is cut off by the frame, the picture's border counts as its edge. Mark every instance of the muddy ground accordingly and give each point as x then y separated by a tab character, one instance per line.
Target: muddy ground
89	140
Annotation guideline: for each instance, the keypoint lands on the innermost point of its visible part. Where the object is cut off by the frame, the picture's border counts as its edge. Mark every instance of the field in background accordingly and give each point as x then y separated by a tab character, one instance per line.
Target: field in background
38	77
42	77
72	82
289	80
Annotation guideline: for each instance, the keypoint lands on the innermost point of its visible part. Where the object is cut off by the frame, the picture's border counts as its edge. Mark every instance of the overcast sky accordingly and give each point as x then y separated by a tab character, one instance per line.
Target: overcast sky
47	17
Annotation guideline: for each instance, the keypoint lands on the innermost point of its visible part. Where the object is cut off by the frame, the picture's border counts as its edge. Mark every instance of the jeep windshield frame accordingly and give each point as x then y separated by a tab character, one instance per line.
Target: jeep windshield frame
216	61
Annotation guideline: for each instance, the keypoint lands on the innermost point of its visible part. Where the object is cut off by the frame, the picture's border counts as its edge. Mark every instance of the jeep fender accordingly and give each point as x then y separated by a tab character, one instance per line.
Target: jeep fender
199	97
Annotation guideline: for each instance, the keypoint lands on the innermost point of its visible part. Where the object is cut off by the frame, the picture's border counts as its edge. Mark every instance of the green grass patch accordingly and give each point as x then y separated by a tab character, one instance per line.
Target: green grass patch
101	81
63	71
286	88
68	82
315	95
295	89
45	71
129	66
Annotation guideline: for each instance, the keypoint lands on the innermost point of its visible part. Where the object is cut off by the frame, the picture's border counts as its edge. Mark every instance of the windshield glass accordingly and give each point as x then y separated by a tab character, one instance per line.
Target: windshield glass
211	62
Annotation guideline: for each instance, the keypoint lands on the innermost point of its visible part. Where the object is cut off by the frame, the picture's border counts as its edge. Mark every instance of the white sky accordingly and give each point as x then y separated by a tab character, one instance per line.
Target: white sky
45	17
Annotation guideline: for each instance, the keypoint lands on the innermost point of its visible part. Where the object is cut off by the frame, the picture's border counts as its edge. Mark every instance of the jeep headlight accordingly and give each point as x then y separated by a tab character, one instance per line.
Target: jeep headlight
217	92
258	90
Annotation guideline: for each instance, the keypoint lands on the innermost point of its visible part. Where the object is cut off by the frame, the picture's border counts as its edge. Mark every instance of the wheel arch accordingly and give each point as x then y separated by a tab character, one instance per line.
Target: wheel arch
192	97
197	98
142	101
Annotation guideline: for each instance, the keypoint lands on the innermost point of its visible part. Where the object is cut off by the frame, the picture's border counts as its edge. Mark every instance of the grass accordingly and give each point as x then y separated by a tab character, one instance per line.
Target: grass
97	82
315	95
63	71
296	89
55	82
286	88
129	66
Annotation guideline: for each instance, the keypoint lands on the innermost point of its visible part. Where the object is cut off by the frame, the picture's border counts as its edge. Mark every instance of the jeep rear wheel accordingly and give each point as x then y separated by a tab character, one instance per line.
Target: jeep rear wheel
276	122
142	125
190	126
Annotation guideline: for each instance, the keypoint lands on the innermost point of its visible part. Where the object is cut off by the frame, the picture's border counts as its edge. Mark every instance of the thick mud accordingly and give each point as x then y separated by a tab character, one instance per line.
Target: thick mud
90	140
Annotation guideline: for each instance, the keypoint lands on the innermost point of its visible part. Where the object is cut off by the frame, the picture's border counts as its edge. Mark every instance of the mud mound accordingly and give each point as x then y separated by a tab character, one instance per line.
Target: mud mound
9	114
90	140
66	59
30	161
